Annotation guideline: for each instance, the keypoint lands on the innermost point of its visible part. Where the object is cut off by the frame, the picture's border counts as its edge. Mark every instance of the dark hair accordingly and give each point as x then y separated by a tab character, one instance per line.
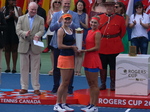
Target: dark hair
84	5
7	6
6	3
138	4
36	0
123	11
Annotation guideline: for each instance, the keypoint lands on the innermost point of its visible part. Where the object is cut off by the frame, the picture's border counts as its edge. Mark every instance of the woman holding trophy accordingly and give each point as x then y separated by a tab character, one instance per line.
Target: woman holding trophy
92	63
65	40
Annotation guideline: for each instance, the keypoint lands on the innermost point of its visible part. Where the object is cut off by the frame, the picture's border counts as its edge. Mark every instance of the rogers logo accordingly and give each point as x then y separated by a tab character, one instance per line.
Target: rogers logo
121	71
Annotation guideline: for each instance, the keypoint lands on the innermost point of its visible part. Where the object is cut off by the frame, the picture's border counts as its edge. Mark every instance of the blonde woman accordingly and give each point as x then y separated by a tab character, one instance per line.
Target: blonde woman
55	7
65	40
92	63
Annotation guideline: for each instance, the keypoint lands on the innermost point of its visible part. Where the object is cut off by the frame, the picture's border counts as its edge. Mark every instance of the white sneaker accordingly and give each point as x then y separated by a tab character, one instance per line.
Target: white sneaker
84	108
59	108
91	109
67	108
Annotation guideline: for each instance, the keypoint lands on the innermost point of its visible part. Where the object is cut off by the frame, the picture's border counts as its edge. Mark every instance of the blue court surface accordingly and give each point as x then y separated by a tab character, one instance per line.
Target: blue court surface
12	81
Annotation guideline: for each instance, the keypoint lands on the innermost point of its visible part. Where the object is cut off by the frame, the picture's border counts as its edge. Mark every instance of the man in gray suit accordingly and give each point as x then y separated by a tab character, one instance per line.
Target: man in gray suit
56	23
30	27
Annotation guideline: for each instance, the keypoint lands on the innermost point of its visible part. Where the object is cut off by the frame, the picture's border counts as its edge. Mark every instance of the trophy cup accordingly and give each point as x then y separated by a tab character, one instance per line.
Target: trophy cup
79	37
132	51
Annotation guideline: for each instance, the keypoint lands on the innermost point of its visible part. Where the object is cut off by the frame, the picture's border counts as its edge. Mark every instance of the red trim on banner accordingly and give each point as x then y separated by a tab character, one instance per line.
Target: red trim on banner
107	98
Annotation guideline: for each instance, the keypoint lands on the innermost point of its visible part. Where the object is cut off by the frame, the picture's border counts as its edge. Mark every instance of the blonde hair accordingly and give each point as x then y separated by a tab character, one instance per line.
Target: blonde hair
52	4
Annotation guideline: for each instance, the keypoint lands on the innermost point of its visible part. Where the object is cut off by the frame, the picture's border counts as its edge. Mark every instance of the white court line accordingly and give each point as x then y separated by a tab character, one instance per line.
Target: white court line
127	110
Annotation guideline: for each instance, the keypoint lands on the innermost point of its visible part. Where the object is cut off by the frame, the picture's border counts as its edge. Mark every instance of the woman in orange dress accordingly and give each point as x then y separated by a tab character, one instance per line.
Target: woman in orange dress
92	63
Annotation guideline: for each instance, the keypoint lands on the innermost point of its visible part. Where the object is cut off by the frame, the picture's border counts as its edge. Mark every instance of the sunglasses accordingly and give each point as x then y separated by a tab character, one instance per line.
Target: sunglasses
117	7
57	2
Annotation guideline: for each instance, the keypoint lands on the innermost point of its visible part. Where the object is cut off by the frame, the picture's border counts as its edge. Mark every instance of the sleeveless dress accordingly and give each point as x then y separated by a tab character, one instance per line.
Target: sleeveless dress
66	56
67	40
82	18
91	59
11	36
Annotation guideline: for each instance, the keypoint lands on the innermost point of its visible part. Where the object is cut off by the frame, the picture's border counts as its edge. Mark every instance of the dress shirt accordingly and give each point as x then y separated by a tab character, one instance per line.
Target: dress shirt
31	19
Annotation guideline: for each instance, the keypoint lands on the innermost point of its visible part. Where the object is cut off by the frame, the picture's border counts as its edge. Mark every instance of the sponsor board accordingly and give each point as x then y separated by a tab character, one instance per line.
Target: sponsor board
132	74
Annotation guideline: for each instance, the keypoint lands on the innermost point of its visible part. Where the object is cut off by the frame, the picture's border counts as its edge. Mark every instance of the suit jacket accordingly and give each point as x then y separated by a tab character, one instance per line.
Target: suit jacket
37	29
54	26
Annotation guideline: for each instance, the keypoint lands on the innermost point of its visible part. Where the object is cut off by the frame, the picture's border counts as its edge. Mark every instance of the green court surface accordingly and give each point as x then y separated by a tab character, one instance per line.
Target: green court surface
45	63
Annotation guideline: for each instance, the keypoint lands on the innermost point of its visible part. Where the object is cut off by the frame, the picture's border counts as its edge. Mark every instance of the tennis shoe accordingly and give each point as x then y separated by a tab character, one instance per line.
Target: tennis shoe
59	108
67	108
84	108
92	108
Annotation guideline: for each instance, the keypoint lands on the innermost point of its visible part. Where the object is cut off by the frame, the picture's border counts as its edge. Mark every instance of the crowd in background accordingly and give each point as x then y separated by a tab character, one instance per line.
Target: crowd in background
85	9
97	18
